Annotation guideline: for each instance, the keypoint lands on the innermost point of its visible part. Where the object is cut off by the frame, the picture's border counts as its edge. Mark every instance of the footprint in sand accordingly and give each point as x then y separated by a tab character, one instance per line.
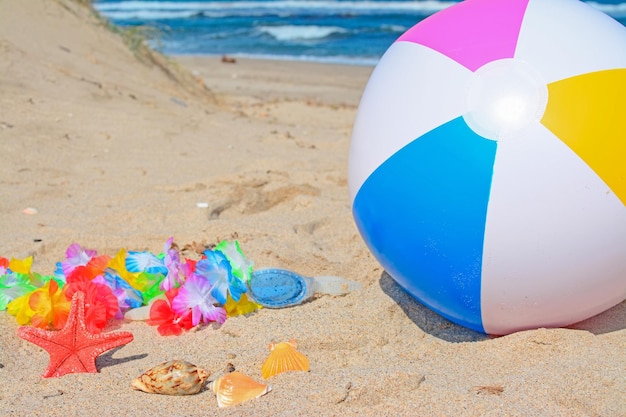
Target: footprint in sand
256	195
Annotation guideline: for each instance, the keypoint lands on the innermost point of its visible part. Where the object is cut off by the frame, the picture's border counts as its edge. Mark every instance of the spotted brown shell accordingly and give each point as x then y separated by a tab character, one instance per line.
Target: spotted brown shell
175	377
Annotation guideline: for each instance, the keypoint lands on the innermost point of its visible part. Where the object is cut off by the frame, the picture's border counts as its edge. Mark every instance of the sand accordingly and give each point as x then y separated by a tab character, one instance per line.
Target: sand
113	152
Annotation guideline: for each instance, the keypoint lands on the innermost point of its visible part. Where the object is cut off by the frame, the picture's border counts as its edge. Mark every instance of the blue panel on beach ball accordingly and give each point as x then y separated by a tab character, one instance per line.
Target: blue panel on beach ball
427	231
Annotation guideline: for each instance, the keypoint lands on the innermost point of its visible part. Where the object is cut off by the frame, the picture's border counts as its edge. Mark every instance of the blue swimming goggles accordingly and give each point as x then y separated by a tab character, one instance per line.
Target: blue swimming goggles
278	288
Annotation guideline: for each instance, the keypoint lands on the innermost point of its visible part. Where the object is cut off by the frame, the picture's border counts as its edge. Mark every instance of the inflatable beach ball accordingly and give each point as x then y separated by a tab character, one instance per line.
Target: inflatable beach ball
487	167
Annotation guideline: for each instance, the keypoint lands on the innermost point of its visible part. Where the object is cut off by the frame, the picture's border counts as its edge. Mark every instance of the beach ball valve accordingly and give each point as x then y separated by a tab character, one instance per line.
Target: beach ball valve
487	168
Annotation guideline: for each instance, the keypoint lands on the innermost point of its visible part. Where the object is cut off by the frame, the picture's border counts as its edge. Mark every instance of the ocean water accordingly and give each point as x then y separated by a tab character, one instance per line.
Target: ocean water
336	31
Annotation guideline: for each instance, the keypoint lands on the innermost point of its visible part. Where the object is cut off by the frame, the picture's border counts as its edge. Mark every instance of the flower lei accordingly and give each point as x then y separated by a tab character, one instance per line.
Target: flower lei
181	293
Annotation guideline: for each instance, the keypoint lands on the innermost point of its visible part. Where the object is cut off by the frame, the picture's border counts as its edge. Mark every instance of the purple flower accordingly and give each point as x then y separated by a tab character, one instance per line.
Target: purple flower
76	256
175	271
195	294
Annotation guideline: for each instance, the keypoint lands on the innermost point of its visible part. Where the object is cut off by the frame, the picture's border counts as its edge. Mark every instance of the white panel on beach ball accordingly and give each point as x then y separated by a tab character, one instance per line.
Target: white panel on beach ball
487	166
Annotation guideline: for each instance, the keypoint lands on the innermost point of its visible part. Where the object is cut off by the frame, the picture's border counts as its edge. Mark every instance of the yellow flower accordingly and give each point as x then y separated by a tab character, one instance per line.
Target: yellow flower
119	264
20	309
21	266
243	306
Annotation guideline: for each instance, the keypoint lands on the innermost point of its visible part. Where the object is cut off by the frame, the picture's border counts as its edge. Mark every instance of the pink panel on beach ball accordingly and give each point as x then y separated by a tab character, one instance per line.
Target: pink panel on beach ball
483	31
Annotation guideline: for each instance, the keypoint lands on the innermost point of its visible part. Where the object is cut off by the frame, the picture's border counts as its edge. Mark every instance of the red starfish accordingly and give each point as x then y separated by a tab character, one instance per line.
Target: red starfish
73	349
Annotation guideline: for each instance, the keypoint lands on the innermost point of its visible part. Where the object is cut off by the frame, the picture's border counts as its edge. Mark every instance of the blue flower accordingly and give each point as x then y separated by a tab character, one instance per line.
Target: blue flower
145	262
217	270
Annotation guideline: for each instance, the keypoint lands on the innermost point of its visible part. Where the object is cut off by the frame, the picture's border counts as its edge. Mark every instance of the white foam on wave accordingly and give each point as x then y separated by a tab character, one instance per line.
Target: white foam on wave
300	33
614	10
150	5
150	14
394	28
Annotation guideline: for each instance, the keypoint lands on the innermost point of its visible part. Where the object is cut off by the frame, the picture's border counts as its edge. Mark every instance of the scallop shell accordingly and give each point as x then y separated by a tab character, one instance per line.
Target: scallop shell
235	388
172	378
284	357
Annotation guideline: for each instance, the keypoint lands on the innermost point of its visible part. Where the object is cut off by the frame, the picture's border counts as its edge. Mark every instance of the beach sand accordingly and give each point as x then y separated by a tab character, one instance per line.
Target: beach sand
113	152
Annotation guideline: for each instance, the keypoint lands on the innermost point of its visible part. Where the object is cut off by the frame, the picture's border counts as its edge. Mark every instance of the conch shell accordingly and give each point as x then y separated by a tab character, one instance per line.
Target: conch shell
284	357
172	378
235	388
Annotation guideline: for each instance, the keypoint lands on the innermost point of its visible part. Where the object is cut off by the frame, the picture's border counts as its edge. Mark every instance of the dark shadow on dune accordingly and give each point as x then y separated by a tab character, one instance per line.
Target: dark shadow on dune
426	319
106	359
612	320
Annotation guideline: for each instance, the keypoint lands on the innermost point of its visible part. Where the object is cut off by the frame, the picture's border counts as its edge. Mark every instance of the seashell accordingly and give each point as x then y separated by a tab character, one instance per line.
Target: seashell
284	357
235	388
172	378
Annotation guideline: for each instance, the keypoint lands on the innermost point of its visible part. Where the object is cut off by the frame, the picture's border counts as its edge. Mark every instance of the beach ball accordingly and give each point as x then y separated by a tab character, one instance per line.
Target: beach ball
487	167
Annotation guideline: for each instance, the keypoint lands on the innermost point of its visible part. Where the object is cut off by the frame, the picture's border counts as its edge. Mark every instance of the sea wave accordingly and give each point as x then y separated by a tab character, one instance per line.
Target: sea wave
155	10
316	29
235	7
163	10
300	33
